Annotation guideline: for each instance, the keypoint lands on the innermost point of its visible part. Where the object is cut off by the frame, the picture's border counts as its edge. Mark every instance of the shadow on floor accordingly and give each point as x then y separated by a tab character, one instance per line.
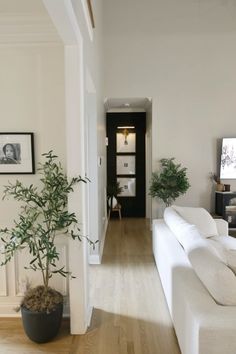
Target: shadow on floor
112	333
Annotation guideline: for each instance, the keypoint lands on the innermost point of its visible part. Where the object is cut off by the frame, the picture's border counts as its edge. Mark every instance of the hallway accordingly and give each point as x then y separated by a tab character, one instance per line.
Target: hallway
130	315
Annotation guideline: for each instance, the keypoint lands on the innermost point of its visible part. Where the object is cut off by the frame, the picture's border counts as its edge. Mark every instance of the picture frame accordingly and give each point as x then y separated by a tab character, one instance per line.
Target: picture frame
17	153
128	186
125	165
125	144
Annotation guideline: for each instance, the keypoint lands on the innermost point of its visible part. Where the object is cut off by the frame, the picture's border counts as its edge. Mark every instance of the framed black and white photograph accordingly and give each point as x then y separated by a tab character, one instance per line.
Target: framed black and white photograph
17	153
125	165
228	159
125	142
128	186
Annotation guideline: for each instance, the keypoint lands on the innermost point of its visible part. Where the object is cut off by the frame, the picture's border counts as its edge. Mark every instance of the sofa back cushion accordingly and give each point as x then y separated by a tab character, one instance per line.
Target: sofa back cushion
225	248
199	217
183	230
207	255
219	279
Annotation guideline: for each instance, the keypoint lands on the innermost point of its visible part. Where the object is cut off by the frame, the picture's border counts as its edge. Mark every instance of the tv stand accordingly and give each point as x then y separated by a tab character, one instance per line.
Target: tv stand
225	206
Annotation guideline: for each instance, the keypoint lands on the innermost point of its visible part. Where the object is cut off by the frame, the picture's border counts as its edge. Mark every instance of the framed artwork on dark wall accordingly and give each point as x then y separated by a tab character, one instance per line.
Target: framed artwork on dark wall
128	186
125	165
17	153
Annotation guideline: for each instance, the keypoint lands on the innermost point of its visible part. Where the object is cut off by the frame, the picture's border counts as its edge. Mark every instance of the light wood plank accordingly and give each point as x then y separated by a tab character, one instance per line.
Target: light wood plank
14	340
130	314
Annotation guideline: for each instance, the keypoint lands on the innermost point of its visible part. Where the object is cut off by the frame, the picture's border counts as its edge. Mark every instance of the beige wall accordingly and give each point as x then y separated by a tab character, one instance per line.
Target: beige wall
182	54
32	100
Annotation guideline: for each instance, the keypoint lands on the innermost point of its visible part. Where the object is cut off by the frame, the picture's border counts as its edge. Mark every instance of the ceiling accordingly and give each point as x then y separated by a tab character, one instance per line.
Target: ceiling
22	6
127	104
26	21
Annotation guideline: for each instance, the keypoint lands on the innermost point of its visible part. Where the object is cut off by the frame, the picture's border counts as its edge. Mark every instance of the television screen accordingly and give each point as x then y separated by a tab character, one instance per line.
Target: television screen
228	159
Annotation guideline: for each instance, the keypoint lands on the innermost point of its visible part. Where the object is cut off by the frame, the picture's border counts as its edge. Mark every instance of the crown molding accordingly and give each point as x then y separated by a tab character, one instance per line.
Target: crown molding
27	29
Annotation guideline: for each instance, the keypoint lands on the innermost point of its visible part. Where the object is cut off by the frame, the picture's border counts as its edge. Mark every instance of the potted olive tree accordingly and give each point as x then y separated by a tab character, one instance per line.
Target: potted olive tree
43	217
170	182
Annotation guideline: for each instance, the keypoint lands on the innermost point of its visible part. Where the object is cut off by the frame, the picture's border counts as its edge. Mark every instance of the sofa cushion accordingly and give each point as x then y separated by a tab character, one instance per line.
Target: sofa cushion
219	279
199	217
183	231
225	247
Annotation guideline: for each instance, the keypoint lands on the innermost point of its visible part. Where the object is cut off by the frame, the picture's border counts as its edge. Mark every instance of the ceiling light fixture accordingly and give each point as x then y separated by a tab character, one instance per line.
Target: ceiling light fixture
127	127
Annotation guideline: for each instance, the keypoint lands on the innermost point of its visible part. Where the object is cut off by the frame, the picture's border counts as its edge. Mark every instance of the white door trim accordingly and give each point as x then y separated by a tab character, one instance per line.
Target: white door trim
63	16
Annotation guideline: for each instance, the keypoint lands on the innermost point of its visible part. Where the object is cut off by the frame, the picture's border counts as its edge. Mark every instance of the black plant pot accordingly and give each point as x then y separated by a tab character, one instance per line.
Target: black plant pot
41	327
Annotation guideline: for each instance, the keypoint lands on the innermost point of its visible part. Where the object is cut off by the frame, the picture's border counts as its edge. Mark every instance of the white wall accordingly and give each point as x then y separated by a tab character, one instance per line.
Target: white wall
31	100
182	54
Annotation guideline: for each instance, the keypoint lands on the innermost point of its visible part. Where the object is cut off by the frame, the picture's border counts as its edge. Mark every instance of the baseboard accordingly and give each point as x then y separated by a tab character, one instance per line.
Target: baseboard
94	259
89	315
97	258
8	309
103	239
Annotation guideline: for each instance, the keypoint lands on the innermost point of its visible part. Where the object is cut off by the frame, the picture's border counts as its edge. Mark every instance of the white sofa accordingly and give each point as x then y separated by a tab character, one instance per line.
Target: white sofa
202	326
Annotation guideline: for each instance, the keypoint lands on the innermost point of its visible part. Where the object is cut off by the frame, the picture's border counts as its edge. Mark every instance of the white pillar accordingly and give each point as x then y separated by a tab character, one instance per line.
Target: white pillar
64	19
76	162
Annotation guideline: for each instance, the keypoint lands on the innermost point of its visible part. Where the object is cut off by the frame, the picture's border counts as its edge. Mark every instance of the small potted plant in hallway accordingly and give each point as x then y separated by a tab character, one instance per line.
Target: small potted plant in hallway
43	218
170	182
113	190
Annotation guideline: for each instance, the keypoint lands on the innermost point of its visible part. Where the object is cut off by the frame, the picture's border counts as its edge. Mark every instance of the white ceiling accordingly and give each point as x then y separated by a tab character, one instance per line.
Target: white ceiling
26	21
137	104
22	6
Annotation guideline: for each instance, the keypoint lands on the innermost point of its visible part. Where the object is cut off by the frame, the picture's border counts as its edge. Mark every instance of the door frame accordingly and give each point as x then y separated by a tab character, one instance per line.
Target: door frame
147	106
63	16
132	206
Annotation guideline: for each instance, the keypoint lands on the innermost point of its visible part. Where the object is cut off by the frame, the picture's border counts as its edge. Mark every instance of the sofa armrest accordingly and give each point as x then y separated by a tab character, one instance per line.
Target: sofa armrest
222	227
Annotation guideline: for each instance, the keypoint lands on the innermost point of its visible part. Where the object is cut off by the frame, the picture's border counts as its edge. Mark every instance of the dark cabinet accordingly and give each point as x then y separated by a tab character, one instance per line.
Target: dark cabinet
225	205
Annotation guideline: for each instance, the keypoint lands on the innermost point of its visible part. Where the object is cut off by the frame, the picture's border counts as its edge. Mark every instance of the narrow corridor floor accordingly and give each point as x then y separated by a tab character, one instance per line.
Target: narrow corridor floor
130	315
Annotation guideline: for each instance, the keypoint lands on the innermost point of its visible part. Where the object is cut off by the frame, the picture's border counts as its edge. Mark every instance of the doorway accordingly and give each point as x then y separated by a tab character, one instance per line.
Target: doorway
126	160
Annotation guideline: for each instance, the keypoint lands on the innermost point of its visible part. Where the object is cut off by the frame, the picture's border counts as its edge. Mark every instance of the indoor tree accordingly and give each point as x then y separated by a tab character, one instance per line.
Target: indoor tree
44	216
170	182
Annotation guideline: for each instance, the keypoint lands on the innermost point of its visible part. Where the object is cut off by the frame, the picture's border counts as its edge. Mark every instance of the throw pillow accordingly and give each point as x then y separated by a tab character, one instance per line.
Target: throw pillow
219	280
225	247
183	231
199	217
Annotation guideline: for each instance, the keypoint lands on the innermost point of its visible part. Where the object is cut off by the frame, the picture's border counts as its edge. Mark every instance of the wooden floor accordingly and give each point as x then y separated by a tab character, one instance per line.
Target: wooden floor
130	315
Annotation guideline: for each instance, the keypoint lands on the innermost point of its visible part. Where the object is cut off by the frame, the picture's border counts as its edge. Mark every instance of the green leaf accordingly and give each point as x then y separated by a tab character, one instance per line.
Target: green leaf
170	182
43	216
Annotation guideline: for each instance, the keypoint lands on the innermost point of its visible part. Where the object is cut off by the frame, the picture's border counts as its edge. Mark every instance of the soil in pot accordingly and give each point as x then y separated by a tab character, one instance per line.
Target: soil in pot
42	314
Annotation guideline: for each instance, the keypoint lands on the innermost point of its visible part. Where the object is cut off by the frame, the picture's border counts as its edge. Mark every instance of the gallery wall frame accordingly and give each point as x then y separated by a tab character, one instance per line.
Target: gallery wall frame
17	153
128	186
228	159
125	164
127	144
